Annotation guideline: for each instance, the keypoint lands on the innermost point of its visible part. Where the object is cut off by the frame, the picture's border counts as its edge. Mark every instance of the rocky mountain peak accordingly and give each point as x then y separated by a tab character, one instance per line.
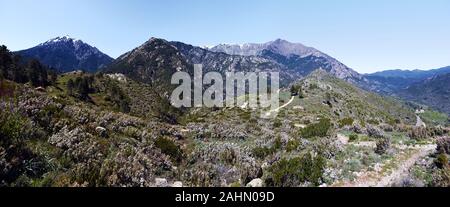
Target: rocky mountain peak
62	39
67	54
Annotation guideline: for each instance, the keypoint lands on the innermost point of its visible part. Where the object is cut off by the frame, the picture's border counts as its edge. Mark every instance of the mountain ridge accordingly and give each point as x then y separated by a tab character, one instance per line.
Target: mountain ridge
67	54
292	52
391	81
434	92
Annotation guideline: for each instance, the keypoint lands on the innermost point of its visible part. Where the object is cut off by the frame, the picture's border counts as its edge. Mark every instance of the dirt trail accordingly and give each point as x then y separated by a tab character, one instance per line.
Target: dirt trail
420	123
379	179
284	106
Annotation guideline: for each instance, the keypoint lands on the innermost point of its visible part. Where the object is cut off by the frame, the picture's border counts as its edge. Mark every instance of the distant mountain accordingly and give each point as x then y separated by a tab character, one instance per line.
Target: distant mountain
434	92
391	81
153	63
67	54
412	74
223	62
294	56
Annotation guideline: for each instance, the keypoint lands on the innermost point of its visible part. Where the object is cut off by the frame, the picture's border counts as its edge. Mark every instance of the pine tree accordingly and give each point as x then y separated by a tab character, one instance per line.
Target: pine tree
53	76
70	86
35	73
295	90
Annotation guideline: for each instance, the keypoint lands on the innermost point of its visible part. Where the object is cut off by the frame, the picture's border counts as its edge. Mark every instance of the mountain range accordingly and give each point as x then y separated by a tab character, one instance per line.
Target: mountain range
154	61
391	81
433	92
117	127
428	87
293	56
293	61
67	54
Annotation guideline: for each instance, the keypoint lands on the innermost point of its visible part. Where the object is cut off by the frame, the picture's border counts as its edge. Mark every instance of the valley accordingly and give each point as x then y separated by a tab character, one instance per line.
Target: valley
114	125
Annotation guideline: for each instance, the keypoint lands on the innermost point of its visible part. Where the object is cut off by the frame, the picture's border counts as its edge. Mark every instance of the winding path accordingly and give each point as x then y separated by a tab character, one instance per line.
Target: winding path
281	107
380	179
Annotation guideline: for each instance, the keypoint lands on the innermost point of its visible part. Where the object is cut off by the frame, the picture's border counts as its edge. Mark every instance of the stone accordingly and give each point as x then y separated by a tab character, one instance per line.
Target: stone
255	183
101	131
177	184
161	182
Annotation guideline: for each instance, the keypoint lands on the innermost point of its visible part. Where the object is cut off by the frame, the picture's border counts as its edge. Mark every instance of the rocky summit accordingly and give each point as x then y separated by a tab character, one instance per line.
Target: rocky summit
67	54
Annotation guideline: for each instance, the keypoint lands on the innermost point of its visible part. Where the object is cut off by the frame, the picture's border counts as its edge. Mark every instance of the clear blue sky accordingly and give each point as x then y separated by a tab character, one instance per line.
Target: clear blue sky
367	35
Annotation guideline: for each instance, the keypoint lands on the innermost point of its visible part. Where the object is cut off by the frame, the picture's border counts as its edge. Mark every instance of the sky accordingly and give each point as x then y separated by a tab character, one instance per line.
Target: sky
366	35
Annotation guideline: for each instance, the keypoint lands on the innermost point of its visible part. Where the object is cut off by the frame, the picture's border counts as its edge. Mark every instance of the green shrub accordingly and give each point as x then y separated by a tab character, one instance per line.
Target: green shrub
441	178
393	122
277	144
292	145
228	156
353	137
436	131
373	122
313	86
277	124
346	122
418	133
383	144
245	115
296	90
316	130
118	97
441	161
443	145
261	152
294	172
169	147
353	165
11	128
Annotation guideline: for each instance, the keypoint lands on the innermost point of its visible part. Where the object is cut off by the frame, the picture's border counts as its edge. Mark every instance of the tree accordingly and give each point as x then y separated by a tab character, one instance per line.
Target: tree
12	68
70	86
53	76
37	73
84	88
294	90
